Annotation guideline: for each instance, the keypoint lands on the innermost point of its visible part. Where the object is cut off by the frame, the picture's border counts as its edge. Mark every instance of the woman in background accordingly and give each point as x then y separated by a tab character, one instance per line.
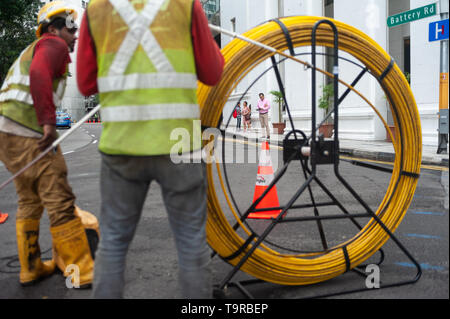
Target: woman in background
247	113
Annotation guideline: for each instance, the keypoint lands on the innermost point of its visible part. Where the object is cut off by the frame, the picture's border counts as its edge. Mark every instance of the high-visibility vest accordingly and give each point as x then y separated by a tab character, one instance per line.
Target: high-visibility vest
146	76
16	102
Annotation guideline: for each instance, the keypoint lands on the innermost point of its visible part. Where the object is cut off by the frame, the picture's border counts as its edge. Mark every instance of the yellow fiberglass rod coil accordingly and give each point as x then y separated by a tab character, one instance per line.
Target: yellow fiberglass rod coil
301	269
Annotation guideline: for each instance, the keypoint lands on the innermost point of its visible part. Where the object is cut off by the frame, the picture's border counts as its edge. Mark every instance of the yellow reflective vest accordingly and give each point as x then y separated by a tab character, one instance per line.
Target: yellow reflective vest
16	102
146	76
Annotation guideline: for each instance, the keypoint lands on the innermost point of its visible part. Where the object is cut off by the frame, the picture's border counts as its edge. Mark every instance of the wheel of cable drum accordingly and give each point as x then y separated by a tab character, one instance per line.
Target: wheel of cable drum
301	269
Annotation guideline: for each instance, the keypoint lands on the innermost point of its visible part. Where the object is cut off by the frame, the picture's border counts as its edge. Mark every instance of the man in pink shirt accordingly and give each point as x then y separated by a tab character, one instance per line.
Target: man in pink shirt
263	108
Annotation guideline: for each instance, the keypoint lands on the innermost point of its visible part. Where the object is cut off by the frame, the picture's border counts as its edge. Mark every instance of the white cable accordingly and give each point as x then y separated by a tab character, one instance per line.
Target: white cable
54	144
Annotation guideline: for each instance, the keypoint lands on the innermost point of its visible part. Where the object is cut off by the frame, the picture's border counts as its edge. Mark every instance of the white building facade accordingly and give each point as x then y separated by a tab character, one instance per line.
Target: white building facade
407	43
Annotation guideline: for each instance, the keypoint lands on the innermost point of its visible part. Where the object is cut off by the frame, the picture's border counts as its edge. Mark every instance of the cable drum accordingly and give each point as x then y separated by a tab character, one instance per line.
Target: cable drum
301	269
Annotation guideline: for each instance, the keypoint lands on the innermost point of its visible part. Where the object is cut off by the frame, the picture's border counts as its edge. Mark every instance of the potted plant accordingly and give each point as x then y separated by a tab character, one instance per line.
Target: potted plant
325	103
279	127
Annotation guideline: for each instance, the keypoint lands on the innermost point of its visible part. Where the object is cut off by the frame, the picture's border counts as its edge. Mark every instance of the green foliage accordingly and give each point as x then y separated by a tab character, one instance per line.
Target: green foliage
278	96
326	98
96	99
278	99
17	30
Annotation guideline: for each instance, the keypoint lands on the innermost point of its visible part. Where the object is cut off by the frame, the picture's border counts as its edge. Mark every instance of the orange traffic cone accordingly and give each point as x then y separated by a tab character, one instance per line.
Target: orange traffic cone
3	217
263	179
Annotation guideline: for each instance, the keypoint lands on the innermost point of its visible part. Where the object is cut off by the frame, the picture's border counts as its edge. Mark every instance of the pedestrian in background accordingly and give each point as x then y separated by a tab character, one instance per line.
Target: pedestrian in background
146	57
263	108
32	90
247	114
238	116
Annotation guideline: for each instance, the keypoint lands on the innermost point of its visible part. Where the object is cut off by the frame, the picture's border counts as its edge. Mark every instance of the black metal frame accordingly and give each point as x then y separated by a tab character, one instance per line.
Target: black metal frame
321	152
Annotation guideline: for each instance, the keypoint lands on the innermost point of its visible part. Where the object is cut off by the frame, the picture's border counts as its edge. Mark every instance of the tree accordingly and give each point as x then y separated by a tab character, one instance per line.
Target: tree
17	30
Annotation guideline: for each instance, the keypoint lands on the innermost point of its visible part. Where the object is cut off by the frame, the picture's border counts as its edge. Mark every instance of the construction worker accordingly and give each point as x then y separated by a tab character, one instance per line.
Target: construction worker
144	58
32	89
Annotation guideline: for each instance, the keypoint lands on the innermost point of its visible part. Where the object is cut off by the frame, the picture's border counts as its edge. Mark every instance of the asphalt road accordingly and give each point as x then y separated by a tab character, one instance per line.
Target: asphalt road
152	263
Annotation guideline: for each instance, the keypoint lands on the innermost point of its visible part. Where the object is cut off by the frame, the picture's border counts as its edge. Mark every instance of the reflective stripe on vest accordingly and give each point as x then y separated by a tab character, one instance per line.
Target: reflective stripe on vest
147	81
59	94
149	112
136	122
24	96
16	95
139	33
17	79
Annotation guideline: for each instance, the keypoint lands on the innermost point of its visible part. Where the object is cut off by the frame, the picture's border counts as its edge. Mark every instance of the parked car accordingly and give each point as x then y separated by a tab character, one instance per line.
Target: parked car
63	119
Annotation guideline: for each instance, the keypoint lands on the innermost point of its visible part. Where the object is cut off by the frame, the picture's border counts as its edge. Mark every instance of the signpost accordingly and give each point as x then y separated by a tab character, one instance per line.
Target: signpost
441	32
438	30
412	15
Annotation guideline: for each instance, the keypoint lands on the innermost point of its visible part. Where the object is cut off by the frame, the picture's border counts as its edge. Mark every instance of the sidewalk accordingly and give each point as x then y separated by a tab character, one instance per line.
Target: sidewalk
374	150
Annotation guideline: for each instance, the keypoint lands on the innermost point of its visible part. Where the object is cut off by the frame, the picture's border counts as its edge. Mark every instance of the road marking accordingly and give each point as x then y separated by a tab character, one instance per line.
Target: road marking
68	152
429	213
430	167
240	141
423	236
94	142
423	266
85	175
435	168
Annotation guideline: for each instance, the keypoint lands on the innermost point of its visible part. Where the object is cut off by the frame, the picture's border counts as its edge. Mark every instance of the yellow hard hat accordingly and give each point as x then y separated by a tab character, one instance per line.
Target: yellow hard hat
53	10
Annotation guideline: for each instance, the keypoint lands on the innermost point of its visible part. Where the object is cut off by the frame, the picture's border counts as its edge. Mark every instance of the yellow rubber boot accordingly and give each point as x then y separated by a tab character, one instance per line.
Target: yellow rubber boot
32	269
71	250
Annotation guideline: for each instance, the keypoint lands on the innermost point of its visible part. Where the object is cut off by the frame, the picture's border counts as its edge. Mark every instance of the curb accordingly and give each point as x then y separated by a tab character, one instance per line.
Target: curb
390	157
377	156
371	155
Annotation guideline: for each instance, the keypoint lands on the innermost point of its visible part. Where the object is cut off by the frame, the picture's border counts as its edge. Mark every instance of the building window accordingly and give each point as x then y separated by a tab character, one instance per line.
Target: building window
211	8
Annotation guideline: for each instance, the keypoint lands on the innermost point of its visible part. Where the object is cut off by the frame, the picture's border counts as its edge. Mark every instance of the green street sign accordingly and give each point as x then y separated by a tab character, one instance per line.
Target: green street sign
412	15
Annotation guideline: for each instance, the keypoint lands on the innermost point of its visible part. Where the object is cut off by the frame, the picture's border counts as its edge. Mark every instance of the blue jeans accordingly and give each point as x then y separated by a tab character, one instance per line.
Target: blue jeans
125	181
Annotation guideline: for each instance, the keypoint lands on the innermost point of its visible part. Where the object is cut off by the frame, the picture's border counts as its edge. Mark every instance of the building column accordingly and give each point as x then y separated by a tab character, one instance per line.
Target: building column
297	78
425	74
73	100
357	119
